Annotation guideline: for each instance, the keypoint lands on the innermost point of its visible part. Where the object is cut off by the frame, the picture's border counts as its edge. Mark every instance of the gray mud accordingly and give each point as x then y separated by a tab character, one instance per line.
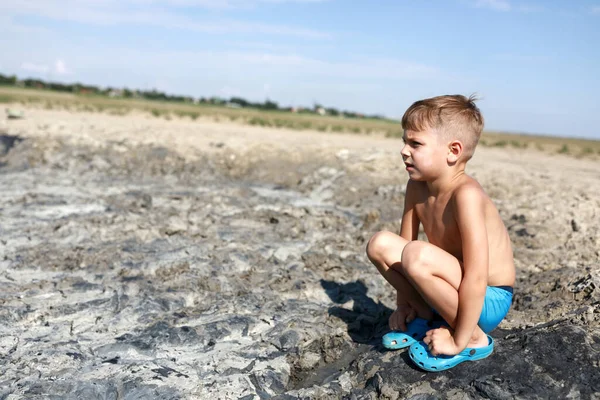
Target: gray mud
129	272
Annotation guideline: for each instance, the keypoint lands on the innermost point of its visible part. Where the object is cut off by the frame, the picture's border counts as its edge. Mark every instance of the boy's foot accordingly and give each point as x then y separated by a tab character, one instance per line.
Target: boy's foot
481	341
423	359
415	331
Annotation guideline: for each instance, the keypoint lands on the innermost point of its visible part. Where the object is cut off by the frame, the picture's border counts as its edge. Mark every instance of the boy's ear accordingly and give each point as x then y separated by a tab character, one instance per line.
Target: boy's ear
455	149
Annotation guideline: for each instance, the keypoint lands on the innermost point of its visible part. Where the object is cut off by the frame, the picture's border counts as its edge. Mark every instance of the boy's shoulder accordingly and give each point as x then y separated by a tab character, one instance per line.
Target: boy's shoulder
464	186
467	184
468	192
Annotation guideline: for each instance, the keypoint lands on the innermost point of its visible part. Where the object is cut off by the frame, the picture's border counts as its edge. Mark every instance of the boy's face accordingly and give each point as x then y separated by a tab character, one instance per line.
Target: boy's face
423	154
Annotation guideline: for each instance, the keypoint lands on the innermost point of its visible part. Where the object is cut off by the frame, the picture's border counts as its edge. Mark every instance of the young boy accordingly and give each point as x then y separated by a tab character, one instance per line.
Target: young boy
465	272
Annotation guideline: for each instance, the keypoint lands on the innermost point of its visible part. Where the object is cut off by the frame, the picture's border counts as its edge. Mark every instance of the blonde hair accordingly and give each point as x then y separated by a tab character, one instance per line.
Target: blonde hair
453	117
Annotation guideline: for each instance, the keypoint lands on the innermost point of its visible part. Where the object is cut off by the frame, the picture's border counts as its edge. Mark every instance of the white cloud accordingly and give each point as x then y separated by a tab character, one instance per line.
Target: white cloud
531	8
151	13
60	67
7	25
228	91
596	10
223	4
33	67
286	65
506	6
521	58
293	1
497	5
266	89
367	69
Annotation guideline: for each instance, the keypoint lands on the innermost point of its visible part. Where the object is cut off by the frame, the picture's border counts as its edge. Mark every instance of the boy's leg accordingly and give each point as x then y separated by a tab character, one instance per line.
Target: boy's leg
436	275
385	252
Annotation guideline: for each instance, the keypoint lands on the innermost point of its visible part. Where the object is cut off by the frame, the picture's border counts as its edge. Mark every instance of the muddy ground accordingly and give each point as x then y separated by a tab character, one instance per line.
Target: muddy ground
143	258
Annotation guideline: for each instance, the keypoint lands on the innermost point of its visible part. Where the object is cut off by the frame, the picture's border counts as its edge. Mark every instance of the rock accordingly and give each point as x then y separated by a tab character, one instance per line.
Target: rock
8	344
343	154
309	360
14	114
175	225
288	340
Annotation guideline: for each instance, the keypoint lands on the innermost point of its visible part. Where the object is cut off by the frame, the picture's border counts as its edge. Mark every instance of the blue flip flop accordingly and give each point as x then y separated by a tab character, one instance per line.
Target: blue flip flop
420	355
415	331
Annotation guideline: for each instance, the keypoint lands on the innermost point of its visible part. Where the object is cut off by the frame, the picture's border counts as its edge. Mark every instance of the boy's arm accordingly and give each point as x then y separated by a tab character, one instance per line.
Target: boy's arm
409	229
469	207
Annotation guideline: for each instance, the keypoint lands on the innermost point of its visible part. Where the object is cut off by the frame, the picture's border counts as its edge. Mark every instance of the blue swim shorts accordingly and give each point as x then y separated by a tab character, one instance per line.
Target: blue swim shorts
495	307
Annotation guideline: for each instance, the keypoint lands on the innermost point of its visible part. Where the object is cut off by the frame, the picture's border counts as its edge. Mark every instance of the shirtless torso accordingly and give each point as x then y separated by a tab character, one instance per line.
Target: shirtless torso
438	217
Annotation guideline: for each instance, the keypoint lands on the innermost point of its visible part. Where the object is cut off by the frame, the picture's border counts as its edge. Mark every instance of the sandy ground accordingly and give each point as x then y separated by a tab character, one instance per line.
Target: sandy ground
146	258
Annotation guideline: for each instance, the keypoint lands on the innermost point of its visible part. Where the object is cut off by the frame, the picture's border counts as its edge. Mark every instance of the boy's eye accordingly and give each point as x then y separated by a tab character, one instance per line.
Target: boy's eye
411	143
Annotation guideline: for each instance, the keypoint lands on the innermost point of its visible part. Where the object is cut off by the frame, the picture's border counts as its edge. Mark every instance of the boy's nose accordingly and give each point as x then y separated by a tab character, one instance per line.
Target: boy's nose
405	153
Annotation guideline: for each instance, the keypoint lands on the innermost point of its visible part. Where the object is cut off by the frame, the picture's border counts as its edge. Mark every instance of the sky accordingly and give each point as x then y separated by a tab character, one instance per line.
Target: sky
534	64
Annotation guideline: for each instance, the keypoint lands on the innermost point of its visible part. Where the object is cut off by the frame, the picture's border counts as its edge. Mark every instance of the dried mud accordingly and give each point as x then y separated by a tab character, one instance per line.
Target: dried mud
232	265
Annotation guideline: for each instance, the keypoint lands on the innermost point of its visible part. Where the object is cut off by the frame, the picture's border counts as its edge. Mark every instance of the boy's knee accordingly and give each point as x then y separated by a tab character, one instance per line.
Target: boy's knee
415	258
378	244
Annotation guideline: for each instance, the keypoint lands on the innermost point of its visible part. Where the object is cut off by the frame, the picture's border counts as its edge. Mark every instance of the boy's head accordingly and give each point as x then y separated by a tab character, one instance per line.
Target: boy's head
450	117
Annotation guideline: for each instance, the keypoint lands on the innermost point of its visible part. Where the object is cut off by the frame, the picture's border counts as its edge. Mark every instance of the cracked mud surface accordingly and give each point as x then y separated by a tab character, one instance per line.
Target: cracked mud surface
152	259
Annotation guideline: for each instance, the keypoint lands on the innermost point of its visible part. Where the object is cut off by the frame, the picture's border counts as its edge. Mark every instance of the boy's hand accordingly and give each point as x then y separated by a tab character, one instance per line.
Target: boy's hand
441	341
402	316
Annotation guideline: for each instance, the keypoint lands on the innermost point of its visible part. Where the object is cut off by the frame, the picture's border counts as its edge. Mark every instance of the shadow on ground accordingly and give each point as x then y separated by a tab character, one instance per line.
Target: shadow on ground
7	142
367	319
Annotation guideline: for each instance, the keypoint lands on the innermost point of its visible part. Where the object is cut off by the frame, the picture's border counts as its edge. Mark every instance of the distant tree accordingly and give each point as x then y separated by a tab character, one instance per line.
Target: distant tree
270	105
59	87
34	83
8	80
217	100
161	96
349	114
178	99
240	101
332	111
154	95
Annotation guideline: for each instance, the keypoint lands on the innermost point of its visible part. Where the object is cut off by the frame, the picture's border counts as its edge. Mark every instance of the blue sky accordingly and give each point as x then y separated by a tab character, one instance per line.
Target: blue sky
533	63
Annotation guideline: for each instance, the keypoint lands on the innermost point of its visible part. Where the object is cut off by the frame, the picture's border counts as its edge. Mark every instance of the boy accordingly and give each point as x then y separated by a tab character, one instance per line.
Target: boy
465	272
